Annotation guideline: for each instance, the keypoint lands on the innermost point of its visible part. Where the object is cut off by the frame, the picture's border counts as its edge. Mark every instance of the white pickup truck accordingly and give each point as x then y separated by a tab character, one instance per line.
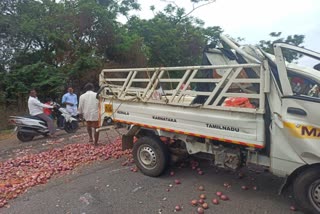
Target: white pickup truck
243	107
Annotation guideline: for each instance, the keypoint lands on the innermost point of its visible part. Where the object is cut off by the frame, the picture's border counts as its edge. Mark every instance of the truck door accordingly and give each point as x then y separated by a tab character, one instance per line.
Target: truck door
300	107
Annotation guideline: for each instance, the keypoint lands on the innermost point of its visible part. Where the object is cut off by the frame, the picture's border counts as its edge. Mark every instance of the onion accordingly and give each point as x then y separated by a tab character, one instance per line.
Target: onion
205	206
194	202
218	194
293	208
177	208
177	181
200	210
200	172
255	188
224	198
8	185
172	173
201	201
215	201
244	187
202	196
201	188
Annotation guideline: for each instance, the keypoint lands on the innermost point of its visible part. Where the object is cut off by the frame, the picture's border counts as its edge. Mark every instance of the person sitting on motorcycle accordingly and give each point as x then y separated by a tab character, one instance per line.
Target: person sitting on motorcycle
36	109
48	111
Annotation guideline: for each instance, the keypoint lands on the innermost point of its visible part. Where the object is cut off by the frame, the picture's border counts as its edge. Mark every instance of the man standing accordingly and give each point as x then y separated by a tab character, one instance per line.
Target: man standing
36	109
88	109
71	101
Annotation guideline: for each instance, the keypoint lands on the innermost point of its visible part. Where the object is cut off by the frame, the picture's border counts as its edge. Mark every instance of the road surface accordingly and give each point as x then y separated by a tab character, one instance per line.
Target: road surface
108	187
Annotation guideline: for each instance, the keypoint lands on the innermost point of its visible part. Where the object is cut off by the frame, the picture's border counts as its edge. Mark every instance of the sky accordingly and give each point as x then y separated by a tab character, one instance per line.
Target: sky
254	20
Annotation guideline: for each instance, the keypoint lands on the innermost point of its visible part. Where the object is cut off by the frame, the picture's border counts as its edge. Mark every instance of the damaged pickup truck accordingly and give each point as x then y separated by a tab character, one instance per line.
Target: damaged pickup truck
243	106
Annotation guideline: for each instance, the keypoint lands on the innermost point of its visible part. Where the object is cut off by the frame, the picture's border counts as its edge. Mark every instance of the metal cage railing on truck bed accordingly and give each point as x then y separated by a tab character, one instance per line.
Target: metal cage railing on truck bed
193	86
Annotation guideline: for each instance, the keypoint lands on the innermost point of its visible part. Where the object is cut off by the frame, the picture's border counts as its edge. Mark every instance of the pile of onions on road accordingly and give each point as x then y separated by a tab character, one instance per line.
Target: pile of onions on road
21	173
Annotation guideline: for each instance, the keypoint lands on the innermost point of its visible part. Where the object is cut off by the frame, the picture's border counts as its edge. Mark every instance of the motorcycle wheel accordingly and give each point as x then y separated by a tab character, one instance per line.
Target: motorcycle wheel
71	127
24	137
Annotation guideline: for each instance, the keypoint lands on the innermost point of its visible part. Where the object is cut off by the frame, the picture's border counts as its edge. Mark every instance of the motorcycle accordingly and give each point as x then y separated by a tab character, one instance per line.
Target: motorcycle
28	127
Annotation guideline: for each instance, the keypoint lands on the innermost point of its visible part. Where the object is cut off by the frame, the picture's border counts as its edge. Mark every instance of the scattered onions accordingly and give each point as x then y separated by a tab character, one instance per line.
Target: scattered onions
28	170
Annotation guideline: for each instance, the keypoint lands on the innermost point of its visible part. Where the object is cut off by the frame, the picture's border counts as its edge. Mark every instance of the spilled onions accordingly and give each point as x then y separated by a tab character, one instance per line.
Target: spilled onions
21	173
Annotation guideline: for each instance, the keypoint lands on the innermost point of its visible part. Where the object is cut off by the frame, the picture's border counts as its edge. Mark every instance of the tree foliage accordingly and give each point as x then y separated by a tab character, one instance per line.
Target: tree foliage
48	44
296	39
172	40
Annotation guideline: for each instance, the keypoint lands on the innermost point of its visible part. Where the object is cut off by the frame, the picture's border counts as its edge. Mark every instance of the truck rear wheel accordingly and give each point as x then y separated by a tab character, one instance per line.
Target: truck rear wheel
306	190
151	156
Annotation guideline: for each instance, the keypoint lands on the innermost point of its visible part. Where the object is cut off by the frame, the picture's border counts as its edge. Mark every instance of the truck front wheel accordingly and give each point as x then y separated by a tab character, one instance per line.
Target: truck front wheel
307	190
151	156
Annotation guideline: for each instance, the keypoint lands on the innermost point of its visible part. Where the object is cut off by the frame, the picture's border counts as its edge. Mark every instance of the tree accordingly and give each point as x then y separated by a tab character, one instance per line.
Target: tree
65	42
48	45
172	37
296	39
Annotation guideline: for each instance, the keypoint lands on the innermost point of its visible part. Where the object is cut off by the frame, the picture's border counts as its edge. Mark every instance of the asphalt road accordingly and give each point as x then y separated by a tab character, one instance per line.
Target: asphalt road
108	187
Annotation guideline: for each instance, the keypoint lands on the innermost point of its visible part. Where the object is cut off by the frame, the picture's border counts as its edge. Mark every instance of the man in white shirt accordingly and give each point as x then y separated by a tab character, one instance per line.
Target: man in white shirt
36	109
88	109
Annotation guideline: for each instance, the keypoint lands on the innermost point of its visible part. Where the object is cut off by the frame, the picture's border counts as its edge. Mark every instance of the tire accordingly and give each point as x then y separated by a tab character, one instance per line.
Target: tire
71	127
151	147
306	190
24	137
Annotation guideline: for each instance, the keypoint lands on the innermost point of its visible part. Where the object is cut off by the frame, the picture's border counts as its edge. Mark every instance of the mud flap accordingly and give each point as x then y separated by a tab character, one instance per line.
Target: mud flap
127	142
285	183
127	139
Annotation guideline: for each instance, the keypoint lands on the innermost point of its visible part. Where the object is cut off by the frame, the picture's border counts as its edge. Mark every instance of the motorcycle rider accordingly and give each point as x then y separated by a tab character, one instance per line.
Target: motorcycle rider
36	109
